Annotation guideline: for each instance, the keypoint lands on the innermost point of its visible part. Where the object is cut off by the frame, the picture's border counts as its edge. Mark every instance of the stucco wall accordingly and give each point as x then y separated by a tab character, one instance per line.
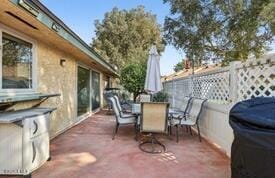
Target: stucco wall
214	125
53	78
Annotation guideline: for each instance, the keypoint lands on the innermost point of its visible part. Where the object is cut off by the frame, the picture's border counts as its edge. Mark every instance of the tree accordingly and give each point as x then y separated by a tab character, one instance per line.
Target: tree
226	29
132	78
178	66
268	14
125	37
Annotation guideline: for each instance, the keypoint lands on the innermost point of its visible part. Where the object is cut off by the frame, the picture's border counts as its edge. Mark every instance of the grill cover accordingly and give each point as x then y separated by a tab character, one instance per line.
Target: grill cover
253	148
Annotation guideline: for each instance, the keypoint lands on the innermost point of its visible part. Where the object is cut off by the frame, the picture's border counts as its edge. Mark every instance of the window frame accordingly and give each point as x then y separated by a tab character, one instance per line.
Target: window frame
90	85
16	91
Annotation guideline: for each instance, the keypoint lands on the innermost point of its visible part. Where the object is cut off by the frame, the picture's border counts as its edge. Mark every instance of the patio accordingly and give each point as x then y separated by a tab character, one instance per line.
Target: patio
87	150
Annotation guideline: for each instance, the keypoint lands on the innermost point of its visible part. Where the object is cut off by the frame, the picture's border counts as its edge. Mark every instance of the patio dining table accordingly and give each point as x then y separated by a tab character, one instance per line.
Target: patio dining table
153	142
136	109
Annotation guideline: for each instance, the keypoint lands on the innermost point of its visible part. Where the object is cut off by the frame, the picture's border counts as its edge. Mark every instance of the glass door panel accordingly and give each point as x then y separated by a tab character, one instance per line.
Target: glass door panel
83	91
95	90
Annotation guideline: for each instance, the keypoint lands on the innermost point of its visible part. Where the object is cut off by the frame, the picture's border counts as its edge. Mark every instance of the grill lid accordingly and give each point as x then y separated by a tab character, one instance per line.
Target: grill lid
257	111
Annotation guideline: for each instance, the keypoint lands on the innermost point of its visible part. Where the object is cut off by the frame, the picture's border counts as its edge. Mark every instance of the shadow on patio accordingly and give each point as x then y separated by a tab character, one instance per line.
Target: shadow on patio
87	150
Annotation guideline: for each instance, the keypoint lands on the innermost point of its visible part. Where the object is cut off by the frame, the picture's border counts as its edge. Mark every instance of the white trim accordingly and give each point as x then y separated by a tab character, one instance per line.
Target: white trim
83	116
19	35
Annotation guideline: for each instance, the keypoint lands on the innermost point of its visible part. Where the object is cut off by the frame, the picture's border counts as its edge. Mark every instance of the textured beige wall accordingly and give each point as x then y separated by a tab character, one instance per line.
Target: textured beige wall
53	78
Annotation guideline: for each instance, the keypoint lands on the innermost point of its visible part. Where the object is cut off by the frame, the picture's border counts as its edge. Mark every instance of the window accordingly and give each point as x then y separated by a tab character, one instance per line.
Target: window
83	91
17	63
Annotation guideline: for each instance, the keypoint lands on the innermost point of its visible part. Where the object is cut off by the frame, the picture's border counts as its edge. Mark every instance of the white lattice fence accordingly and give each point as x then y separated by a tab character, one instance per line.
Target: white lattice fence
256	79
213	86
238	82
168	88
182	88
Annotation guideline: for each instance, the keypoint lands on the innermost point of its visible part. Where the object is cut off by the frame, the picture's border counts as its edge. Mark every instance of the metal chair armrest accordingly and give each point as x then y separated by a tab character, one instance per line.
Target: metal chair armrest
130	116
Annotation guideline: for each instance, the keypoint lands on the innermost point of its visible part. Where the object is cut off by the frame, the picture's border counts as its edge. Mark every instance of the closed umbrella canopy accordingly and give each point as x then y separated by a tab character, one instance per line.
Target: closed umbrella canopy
153	78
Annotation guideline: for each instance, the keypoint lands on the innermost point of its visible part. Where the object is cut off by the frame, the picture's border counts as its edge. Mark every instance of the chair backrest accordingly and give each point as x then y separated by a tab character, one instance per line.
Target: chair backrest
154	117
196	108
115	108
118	103
145	98
186	103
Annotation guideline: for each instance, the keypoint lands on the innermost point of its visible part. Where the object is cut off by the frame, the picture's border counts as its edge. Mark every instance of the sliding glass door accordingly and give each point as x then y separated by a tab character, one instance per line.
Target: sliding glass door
95	90
83	91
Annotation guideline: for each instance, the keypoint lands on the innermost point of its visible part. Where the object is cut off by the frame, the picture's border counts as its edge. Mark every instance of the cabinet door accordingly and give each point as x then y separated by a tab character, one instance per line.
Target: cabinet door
36	126
36	152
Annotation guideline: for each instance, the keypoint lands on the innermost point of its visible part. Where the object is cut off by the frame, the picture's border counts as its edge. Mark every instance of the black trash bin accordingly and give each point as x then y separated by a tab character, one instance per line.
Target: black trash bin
253	148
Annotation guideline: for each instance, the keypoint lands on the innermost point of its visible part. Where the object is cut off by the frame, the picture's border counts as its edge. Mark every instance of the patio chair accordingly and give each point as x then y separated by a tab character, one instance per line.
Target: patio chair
153	119
191	118
179	113
184	108
121	118
118	103
124	106
124	112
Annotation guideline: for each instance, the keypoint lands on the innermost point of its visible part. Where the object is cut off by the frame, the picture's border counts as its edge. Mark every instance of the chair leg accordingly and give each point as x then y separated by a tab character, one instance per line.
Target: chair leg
115	131
186	127
190	129
177	132
199	132
136	130
117	127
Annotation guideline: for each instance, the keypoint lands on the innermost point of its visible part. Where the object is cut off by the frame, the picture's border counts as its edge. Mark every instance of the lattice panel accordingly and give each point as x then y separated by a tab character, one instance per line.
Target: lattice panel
213	86
168	88
256	81
182	88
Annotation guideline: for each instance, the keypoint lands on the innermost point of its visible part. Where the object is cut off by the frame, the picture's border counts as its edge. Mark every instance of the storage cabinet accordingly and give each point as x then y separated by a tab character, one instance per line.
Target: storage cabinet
24	141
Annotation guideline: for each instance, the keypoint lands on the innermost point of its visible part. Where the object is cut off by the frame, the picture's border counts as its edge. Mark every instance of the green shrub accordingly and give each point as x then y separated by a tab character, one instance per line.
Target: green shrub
160	97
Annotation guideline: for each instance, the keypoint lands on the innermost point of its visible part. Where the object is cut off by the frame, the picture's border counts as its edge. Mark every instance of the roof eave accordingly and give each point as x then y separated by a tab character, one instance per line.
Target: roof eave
46	17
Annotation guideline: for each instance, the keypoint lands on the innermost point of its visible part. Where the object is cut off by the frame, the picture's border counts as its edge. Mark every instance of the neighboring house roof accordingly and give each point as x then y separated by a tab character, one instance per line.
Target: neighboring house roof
188	72
47	18
209	68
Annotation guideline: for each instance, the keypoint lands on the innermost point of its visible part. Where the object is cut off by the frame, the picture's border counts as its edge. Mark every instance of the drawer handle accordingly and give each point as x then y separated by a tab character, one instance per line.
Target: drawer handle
33	152
36	127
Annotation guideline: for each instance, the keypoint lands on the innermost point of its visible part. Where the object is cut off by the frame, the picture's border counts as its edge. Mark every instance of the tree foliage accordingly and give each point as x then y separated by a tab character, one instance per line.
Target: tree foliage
132	78
268	14
124	37
226	29
178	66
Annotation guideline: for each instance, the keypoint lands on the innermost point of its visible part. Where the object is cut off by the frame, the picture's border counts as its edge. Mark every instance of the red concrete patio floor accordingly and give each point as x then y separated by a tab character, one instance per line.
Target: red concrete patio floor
87	151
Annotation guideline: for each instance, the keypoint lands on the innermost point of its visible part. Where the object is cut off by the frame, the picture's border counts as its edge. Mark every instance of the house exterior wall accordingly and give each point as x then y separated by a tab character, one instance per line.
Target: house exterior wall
49	76
54	78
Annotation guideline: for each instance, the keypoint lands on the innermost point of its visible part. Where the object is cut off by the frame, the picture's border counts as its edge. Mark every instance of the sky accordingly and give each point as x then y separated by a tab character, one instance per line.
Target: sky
80	15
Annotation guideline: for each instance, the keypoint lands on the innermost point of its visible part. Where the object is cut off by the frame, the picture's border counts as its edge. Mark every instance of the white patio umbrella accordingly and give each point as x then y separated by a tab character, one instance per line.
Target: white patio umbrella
153	79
